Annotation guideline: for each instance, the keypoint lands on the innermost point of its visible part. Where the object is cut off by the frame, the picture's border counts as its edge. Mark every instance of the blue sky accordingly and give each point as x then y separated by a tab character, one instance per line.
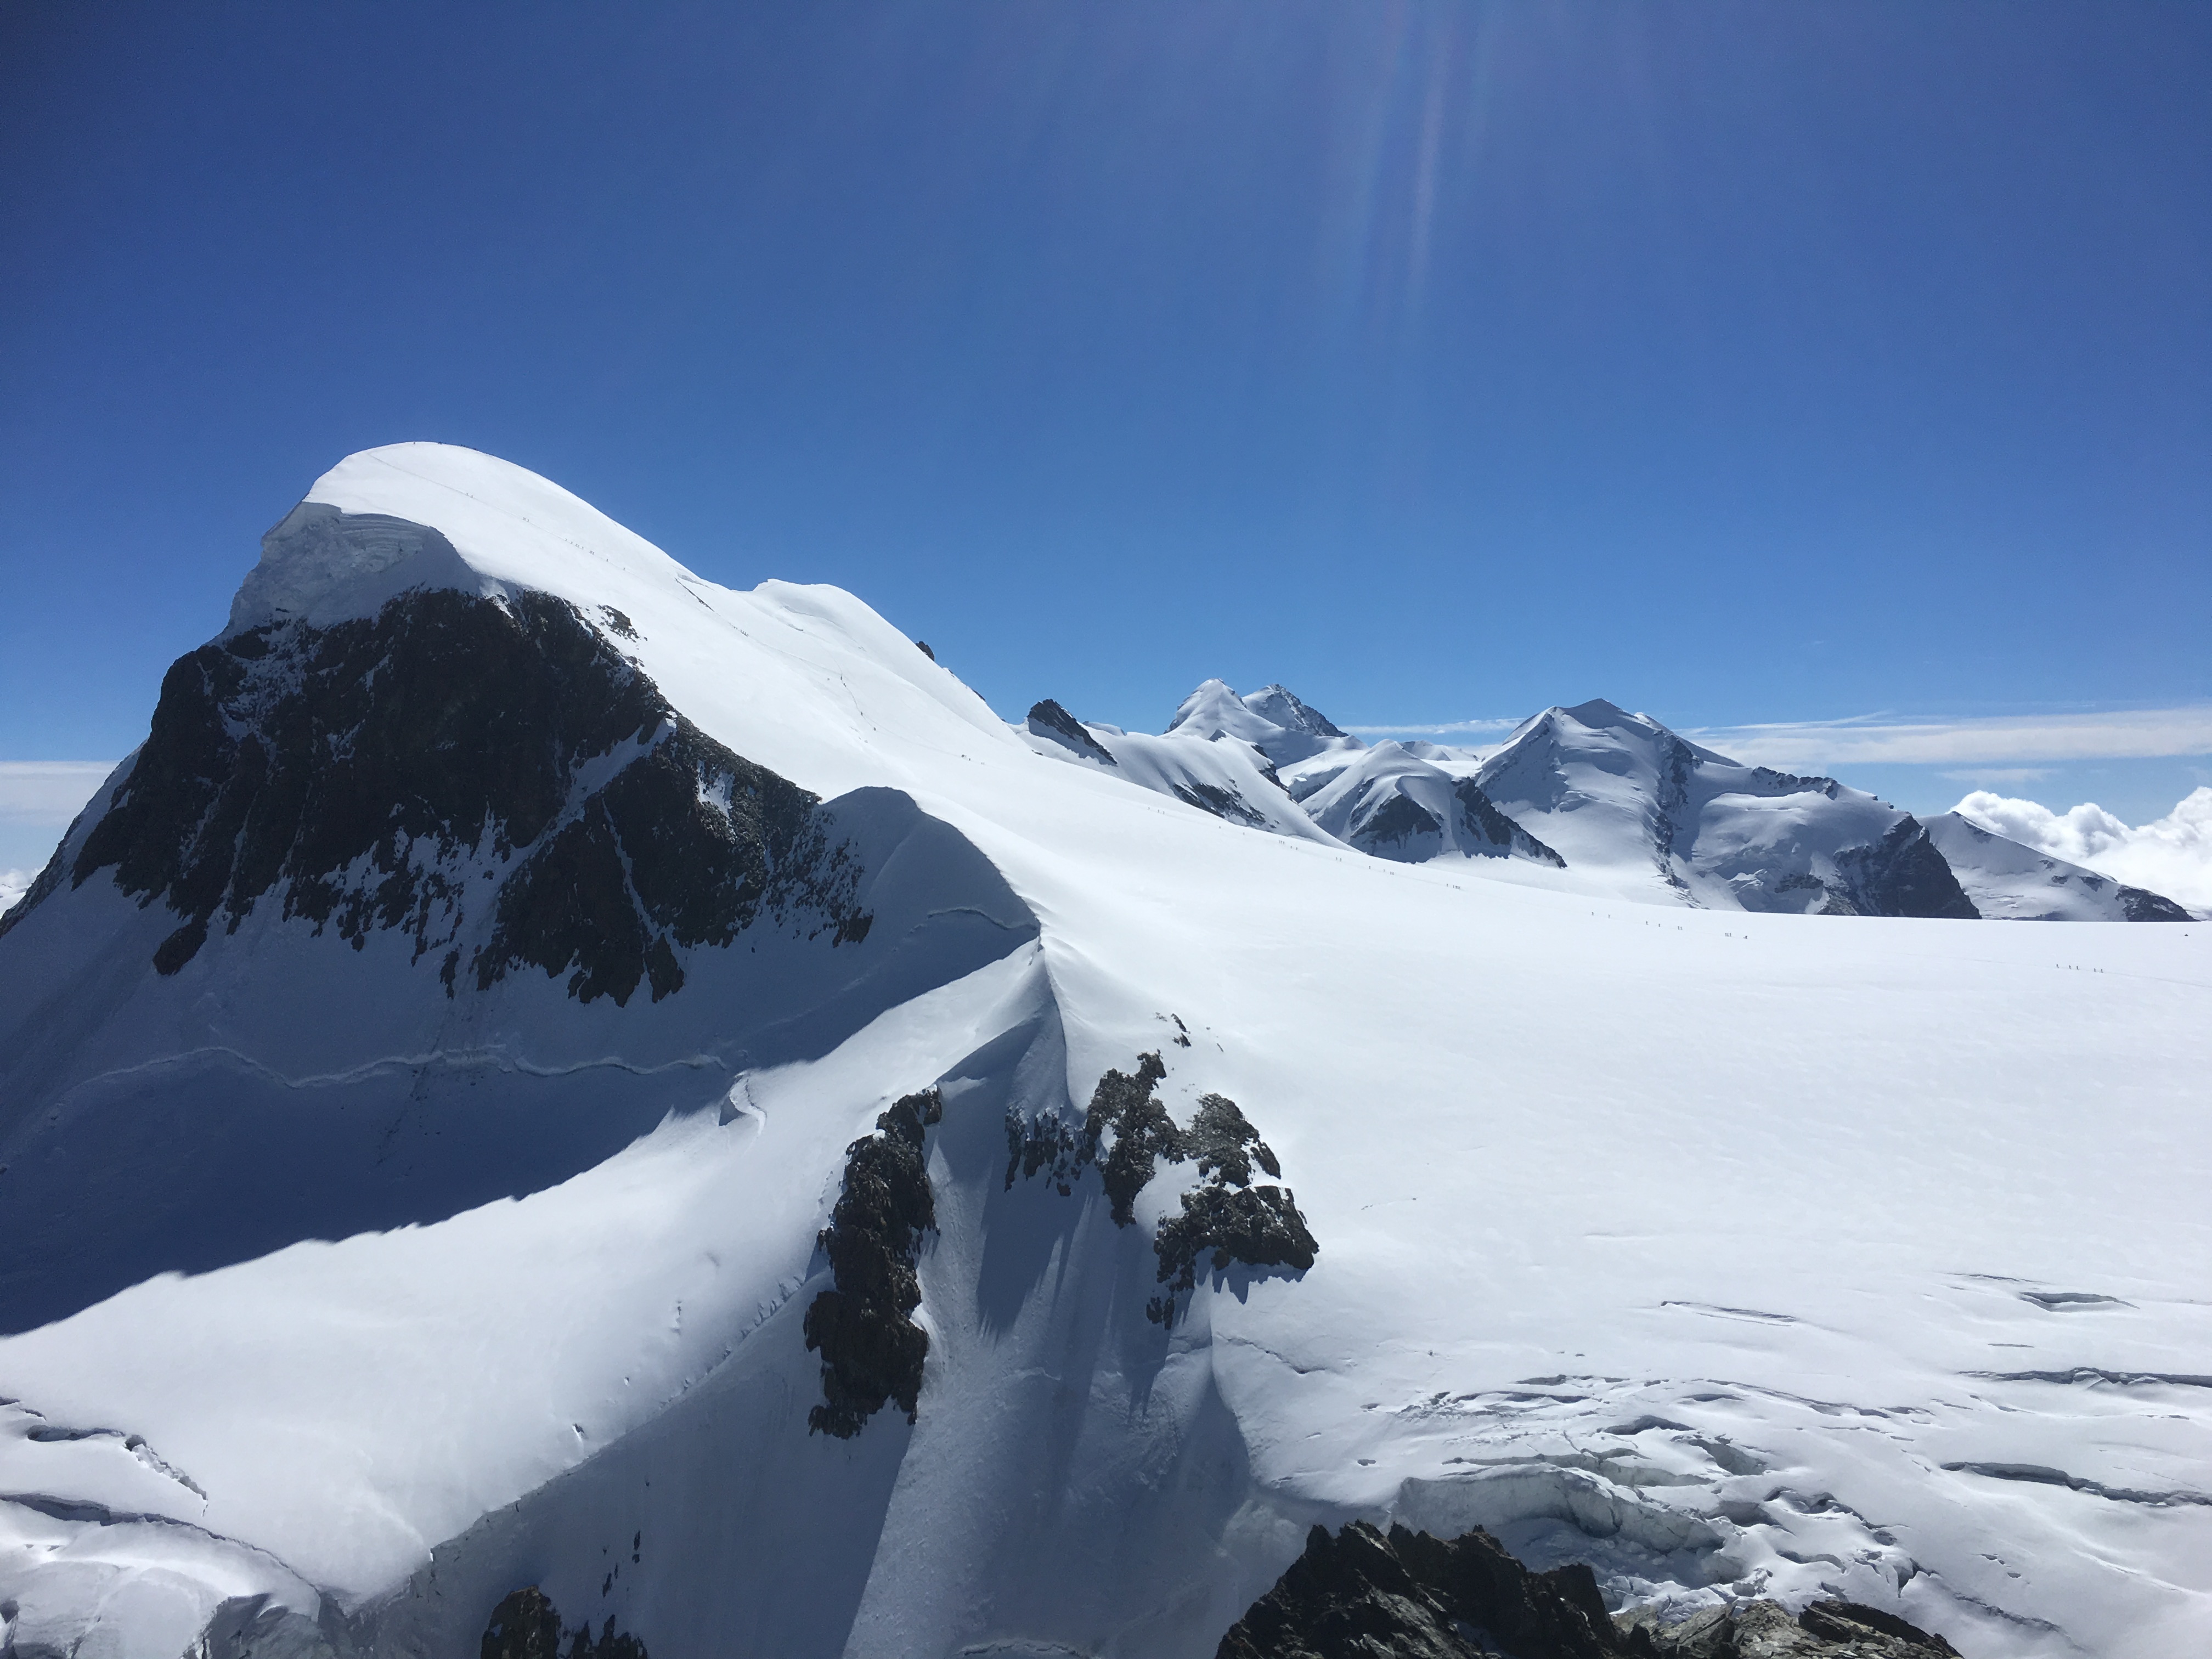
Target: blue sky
1746	364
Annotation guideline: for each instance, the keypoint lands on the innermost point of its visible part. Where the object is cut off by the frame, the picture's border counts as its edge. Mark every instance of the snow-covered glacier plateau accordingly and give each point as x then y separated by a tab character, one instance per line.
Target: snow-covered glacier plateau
545	1071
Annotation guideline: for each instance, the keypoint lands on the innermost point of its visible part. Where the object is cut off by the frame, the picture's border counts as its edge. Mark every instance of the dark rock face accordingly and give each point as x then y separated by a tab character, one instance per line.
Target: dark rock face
1258	1226
1048	719
1392	825
1400	827
1284	706
2140	904
1362	1596
1900	875
1481	824
1764	1629
871	1351
1222	802
363	776
1226	1215
1142	1130
526	1626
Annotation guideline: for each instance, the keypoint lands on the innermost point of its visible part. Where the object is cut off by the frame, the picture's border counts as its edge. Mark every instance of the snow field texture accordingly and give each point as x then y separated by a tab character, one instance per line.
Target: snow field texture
1730	1252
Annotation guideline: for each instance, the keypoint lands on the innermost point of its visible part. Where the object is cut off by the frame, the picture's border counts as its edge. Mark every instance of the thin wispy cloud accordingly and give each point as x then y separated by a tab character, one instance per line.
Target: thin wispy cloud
47	794
1983	776
1437	728
1996	741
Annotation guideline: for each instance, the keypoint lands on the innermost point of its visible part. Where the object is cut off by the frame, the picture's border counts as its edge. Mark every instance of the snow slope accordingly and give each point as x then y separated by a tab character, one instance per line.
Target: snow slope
2014	882
1727	1251
1225	777
1391	803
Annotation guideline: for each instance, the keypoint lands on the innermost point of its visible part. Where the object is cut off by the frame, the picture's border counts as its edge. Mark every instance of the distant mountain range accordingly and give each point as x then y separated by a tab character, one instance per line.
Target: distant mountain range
1596	800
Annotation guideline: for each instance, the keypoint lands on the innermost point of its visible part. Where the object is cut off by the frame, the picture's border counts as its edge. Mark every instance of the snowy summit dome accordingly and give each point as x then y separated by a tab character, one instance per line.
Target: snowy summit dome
417	515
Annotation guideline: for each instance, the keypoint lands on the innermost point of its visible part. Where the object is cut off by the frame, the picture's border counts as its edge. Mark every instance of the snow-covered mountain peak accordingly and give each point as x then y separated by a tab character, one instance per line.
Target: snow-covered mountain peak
427	515
1639	809
1272	720
1285	708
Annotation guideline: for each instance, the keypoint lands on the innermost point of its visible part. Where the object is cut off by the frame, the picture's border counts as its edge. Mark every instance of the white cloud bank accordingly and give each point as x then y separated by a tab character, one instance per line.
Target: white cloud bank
37	799
1989	749
1442	728
2170	856
47	794
1995	741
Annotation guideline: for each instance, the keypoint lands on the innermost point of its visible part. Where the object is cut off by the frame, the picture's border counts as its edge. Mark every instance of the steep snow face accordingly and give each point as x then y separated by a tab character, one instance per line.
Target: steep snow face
1225	776
1272	720
1393	804
2011	881
1635	810
1729	1253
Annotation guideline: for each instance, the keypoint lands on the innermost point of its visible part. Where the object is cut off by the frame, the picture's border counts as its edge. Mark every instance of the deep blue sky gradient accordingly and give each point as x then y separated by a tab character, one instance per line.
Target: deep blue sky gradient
1737	362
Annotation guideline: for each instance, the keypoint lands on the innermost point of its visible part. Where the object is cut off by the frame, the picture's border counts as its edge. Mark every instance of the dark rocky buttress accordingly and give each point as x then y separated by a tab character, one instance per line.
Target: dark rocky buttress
872	1350
1223	1221
368	775
527	1625
1361	1594
1900	875
1048	719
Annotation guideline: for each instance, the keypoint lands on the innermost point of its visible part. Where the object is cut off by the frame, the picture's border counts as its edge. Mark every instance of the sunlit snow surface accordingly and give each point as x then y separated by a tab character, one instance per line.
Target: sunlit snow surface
1729	1252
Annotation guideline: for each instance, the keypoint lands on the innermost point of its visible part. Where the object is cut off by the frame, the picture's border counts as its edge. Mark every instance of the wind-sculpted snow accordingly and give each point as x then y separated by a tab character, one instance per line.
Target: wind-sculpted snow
1739	1258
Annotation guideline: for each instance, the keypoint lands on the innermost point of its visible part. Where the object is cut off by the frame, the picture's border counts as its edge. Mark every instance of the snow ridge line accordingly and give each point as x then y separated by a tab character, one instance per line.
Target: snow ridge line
84	1513
491	1056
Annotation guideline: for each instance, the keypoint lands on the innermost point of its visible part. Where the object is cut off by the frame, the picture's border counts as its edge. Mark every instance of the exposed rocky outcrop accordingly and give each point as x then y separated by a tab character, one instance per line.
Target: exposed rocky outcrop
1482	824
1223	803
1390	802
367	775
1900	875
1048	719
872	1350
2141	904
1361	1594
1126	1132
1766	1630
527	1625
